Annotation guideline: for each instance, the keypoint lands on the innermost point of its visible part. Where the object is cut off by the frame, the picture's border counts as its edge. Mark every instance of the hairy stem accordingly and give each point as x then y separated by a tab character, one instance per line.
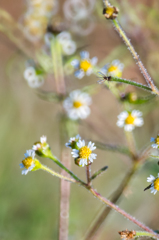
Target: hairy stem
88	174
45	168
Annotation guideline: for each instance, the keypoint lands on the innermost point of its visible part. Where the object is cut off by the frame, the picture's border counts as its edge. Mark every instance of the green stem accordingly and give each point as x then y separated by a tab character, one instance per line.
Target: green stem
142	234
45	168
126	81
135	56
99	172
66	169
58	66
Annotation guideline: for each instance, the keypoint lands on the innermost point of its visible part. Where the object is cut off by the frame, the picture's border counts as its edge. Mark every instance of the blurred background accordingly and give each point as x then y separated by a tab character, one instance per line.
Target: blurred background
29	205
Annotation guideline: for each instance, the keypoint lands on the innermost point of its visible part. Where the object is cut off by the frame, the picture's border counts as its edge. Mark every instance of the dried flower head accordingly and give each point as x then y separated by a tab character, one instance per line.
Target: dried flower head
110	12
127	234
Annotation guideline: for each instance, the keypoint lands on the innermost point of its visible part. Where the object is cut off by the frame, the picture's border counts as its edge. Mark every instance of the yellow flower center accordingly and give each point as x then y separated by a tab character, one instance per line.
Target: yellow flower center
115	71
156	184
130	119
157	140
109	10
77	104
27	162
85	65
84	152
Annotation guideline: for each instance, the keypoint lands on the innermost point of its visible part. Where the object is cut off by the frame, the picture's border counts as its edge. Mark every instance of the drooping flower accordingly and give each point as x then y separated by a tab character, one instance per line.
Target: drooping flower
72	141
28	162
113	69
33	79
154	186
83	154
77	105
130	120
85	65
155	141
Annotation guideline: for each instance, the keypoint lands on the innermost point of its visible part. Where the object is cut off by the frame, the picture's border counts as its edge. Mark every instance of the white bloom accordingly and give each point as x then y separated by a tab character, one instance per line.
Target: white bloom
113	69
28	162
69	47
73	139
130	120
154	187
84	153
155	142
40	144
85	65
63	37
77	105
33	80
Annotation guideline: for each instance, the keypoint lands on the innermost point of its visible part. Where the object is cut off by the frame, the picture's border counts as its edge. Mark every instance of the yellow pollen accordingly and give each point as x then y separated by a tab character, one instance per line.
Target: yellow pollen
156	184
85	65
112	68
109	10
157	140
27	162
77	104
84	152
130	119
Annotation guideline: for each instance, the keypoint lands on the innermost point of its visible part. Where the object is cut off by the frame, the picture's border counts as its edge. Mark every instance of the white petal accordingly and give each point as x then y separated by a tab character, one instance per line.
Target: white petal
123	115
129	127
89	71
136	113
21	165
120	123
75	153
79	74
83	162
94	60
138	122
150	179
155	145
25	171
84	54
75	63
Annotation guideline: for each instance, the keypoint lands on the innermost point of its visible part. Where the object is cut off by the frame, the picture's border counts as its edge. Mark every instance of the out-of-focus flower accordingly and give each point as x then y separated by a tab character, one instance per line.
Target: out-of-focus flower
154	186
64	38
83	154
72	141
155	141
28	162
113	69
33	79
77	105
85	65
126	235
79	13
130	120
36	18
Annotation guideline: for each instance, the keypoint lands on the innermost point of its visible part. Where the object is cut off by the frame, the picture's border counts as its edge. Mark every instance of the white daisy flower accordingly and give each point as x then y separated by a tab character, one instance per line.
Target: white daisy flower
85	65
154	186
33	80
155	141
28	162
77	105
72	140
113	69
84	153
41	144
130	120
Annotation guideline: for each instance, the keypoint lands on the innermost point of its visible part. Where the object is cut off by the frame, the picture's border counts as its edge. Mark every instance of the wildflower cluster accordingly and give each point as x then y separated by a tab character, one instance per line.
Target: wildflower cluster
36	18
34	76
